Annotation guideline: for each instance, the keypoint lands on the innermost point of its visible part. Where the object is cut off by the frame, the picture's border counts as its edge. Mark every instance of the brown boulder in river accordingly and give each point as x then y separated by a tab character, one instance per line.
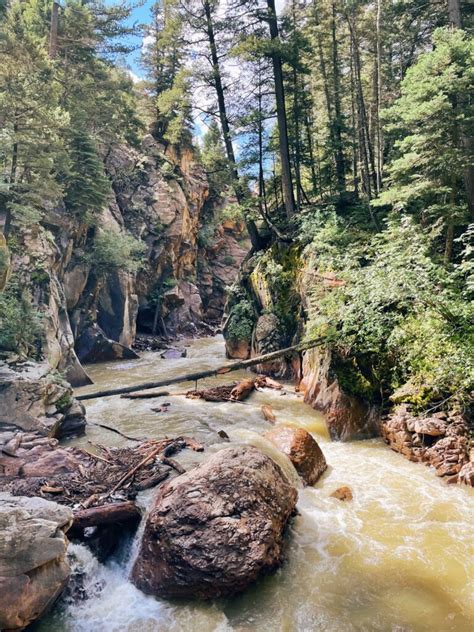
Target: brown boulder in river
33	567
214	530
302	450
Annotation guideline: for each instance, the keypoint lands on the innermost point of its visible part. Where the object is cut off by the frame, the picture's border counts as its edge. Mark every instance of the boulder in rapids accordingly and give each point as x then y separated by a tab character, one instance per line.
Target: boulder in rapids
33	567
302	450
214	530
94	346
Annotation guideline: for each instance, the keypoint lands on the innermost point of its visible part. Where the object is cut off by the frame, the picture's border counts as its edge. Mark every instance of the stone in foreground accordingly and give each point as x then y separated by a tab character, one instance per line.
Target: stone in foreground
214	530
302	450
33	567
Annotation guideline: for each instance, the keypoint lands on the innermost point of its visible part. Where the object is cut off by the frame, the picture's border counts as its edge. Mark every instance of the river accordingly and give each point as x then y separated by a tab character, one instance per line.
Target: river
398	557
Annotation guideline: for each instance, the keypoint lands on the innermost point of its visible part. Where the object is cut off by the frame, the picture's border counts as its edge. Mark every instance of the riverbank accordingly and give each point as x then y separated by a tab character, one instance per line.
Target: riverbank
396	555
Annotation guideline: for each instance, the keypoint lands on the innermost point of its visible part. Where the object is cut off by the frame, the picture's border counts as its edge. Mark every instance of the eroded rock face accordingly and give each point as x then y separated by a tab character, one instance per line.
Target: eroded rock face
215	529
33	567
440	441
348	417
302	450
34	400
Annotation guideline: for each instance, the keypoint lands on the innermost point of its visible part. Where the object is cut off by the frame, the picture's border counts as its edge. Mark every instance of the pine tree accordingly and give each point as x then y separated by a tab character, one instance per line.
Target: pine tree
431	117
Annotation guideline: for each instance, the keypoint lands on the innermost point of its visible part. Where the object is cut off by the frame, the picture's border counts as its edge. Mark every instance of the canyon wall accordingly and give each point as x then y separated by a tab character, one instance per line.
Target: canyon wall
160	198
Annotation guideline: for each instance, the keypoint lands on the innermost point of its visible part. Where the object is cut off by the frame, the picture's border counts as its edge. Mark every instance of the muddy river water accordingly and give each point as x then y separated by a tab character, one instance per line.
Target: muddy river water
398	557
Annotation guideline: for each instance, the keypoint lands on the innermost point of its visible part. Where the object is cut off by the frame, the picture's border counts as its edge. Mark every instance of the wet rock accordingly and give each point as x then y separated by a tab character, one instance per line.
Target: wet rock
302	450
466	474
237	349
215	529
342	493
34	400
173	354
348	416
440	441
33	567
94	346
52	463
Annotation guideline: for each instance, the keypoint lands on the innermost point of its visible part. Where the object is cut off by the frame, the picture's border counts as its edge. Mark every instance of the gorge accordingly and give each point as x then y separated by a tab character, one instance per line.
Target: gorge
236	316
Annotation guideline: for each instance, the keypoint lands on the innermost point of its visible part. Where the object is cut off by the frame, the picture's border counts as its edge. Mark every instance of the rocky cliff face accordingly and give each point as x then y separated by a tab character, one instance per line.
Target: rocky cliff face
267	311
160	198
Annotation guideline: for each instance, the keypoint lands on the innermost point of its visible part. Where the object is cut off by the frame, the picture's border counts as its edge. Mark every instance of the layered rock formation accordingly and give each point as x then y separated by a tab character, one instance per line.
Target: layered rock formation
32	399
33	567
215	529
160	198
440	441
268	311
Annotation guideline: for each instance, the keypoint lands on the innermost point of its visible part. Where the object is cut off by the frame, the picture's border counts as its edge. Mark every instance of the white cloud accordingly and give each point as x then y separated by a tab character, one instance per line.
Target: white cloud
135	78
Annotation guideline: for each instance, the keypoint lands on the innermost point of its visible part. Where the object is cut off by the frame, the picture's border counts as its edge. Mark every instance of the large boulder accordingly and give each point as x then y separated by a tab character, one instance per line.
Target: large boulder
33	567
214	530
94	346
302	450
33	399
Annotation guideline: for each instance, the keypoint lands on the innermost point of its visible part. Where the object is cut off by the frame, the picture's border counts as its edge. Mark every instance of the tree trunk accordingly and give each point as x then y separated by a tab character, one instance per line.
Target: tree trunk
286	179
367	149
339	150
355	162
378	98
53	34
314	179
217	79
454	12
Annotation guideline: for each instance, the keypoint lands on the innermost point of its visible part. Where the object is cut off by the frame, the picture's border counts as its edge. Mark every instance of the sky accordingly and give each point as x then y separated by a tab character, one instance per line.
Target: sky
141	15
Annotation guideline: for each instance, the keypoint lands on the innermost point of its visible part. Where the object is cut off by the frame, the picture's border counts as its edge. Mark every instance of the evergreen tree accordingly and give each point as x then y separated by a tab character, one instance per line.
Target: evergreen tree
431	117
168	82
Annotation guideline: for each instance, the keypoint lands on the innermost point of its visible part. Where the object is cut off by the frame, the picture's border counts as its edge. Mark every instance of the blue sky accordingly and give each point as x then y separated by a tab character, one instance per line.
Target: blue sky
142	15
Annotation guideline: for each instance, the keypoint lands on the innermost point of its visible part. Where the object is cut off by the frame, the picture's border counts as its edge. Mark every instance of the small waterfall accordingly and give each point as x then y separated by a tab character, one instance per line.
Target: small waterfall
249	437
135	547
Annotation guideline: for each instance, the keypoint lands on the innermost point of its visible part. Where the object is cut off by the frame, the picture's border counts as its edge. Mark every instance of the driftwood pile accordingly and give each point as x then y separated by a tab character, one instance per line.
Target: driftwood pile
99	487
236	392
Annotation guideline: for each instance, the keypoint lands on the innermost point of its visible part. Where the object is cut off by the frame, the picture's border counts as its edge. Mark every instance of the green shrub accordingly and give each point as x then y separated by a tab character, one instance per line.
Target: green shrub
399	309
115	251
241	322
20	323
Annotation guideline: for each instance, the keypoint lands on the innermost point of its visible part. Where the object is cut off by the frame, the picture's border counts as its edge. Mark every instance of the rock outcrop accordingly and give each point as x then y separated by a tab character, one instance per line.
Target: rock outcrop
302	450
348	415
92	312
214	530
441	441
33	399
33	567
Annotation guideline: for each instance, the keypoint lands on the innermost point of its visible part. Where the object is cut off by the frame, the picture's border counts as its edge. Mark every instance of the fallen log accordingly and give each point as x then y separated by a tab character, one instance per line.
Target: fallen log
263	381
148	483
268	413
213	394
119	432
148	395
242	390
105	514
194	377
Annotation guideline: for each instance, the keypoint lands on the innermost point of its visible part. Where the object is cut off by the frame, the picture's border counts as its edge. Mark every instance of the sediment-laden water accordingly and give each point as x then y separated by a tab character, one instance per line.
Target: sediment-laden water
397	558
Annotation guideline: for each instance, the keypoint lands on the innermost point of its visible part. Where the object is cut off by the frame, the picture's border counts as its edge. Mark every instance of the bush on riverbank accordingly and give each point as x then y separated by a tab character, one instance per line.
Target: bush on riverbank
396	308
